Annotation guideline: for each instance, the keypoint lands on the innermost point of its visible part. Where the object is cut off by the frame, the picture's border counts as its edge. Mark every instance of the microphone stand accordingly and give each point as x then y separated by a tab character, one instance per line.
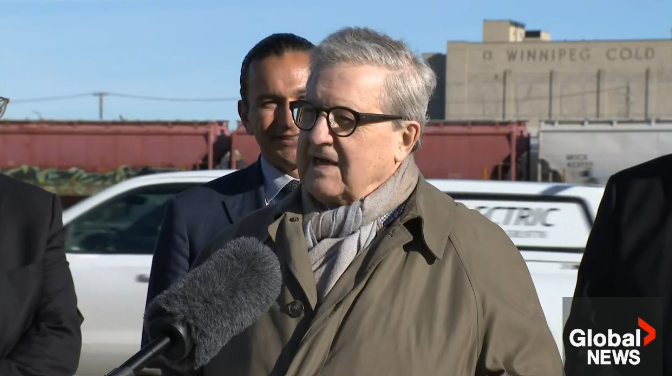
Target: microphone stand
138	361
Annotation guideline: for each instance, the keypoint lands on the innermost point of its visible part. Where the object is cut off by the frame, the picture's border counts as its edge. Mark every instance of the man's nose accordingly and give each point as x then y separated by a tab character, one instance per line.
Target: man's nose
283	116
321	134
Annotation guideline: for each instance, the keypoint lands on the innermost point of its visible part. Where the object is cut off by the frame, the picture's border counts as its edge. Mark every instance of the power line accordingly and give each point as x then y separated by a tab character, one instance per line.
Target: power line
168	99
130	96
119	95
49	99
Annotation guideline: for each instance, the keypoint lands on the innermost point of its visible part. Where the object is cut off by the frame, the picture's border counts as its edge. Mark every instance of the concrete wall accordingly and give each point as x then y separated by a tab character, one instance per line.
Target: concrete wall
535	80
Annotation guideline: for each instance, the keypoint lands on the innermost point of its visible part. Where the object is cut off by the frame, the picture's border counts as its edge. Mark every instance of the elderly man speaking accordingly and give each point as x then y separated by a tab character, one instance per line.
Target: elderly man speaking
383	273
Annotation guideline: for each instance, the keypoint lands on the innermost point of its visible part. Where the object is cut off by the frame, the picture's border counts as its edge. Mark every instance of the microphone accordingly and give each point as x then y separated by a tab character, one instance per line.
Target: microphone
190	322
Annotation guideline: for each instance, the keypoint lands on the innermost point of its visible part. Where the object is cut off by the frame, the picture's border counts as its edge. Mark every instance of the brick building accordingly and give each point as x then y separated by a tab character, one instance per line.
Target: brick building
521	74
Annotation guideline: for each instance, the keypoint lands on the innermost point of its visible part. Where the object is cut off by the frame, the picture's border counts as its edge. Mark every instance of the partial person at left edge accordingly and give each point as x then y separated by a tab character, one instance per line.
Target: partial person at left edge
40	323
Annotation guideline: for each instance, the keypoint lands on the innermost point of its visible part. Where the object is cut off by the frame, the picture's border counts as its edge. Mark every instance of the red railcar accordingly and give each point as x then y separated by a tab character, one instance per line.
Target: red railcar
452	150
78	158
100	146
81	157
474	150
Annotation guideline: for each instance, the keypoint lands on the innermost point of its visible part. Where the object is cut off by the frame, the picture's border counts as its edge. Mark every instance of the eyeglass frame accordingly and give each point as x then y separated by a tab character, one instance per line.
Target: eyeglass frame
360	117
3	105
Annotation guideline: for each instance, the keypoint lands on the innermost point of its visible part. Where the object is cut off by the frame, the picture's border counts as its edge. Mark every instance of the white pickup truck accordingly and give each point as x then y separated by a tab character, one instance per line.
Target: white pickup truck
110	238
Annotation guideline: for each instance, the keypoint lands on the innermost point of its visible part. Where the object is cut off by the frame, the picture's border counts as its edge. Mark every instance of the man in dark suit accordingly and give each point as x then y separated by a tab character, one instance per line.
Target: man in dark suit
40	325
629	250
273	73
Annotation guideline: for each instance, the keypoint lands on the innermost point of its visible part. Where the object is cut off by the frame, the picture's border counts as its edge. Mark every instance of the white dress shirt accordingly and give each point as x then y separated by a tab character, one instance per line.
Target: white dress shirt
274	180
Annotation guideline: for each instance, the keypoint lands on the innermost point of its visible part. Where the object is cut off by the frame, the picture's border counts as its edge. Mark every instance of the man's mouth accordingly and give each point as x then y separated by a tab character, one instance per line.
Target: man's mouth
323	162
288	137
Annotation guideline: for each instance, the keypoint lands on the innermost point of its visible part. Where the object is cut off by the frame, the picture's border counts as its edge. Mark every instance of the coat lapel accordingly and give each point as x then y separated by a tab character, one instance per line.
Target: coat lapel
291	248
247	196
240	205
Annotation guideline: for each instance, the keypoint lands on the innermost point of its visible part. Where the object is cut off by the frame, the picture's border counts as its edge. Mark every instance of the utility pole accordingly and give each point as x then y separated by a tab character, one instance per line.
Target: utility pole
100	103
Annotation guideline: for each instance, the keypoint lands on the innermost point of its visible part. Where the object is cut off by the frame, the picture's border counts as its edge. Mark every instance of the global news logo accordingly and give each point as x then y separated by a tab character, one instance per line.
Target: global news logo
613	348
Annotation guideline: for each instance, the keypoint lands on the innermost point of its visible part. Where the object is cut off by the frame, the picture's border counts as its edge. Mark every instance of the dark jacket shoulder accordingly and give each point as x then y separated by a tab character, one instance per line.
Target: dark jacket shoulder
655	168
30	197
253	225
651	180
231	184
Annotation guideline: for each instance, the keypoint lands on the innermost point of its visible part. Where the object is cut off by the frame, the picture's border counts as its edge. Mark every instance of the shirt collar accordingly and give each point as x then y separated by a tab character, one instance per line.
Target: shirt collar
274	179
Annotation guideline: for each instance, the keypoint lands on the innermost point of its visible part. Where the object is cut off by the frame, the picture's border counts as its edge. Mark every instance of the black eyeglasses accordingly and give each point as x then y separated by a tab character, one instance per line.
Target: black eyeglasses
3	105
342	120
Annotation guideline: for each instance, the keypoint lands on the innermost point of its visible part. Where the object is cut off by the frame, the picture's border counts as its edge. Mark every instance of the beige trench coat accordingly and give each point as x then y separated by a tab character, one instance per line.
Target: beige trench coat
441	292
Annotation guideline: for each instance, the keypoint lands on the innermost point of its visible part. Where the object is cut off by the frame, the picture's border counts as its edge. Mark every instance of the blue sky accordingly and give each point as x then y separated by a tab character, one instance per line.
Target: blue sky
193	49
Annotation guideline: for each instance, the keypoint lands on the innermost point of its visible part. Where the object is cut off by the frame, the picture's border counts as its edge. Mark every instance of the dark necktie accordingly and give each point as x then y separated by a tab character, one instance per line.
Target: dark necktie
287	189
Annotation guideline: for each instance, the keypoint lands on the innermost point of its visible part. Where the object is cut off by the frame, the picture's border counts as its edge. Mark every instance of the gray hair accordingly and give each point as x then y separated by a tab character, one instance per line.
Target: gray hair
411	81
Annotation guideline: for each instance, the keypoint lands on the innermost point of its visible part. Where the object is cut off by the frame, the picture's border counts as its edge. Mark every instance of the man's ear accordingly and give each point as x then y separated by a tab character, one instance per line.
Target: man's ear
242	112
410	135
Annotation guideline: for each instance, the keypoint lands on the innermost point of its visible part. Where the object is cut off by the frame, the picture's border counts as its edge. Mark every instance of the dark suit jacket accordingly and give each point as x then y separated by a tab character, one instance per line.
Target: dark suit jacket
40	325
629	251
194	217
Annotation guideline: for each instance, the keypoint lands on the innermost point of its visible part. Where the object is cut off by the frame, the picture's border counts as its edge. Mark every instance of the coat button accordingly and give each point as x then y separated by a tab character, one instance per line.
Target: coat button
295	308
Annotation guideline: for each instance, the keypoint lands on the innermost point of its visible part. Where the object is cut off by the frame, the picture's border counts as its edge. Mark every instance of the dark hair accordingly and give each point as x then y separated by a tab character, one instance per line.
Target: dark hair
273	45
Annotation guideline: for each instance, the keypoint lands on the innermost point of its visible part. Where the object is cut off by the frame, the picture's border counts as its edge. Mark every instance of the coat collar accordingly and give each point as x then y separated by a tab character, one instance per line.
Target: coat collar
429	215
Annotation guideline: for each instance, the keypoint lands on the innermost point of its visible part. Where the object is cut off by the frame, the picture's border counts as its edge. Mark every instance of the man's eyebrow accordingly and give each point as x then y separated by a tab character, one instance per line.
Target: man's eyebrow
269	97
277	97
